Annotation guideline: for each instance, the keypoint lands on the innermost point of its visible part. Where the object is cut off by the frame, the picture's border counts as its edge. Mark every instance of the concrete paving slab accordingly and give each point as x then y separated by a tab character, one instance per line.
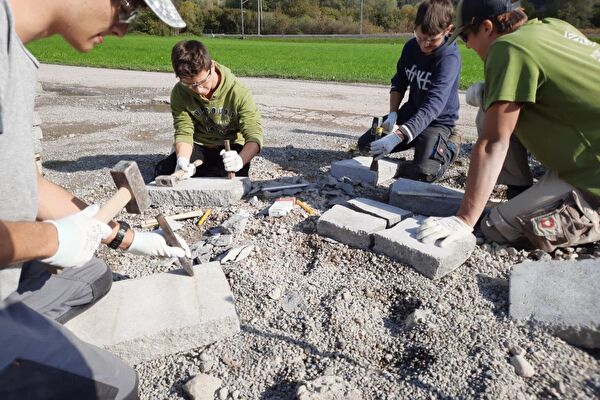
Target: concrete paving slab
391	214
147	318
358	169
561	295
349	227
400	243
216	192
425	198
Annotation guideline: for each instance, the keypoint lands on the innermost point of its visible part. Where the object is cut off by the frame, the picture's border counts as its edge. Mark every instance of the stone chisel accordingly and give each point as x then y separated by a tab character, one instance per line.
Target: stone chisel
172	241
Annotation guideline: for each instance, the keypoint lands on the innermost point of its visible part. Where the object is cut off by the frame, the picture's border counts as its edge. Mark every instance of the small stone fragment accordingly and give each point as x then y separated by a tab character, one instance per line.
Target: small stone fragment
522	366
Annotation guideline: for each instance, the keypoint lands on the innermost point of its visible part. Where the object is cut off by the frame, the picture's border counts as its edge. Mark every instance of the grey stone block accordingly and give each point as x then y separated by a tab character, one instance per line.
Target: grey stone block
561	295
147	318
391	214
400	243
425	198
350	227
217	192
358	169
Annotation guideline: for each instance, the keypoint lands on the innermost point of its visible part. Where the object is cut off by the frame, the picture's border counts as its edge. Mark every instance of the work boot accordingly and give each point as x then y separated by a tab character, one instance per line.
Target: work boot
455	138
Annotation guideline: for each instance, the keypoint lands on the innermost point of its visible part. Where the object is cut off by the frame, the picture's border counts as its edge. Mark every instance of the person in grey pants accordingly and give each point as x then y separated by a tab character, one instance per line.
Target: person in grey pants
48	236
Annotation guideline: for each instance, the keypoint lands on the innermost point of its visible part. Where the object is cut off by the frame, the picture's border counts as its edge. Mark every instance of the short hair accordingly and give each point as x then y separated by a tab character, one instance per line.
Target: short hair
510	21
434	16
189	58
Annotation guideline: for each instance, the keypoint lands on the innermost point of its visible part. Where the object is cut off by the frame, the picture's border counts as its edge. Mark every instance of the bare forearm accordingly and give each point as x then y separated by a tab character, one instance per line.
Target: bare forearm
25	241
248	152
184	150
486	162
395	100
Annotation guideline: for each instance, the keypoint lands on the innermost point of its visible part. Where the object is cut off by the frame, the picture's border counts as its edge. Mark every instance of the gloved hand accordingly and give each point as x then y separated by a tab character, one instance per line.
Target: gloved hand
385	145
390	121
474	94
232	160
79	236
450	229
154	244
184	164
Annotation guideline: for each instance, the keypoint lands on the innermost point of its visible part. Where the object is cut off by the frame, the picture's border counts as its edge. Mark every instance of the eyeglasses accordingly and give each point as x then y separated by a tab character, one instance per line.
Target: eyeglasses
129	10
199	84
428	39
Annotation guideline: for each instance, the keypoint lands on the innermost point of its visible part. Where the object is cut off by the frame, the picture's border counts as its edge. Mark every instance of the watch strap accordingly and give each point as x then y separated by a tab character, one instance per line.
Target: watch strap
123	228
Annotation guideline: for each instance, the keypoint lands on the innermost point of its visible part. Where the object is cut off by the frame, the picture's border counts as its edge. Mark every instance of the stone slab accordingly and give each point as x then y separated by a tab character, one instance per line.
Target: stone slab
400	243
425	198
391	214
216	192
147	318
349	227
561	295
358	169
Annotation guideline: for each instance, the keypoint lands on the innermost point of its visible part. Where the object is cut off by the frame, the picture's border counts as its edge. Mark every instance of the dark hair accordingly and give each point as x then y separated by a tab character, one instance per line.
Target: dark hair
434	16
189	58
505	23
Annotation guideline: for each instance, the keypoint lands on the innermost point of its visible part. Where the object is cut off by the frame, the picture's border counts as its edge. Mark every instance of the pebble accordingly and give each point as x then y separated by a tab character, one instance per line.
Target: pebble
511	251
516	350
202	387
522	366
541	255
223	393
275	294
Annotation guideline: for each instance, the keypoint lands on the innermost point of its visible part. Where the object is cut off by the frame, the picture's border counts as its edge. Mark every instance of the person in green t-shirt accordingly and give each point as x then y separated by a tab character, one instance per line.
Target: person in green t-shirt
210	105
540	96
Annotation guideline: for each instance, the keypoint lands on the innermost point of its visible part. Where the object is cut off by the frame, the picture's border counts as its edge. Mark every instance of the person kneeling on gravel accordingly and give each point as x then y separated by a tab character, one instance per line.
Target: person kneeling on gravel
538	97
210	105
48	237
426	122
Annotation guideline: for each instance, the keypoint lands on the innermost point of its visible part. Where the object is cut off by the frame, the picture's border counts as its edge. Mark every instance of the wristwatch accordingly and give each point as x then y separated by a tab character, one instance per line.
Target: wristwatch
123	228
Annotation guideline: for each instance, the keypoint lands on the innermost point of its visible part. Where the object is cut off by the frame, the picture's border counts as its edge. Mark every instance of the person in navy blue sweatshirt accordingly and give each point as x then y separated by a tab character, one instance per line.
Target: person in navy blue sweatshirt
427	120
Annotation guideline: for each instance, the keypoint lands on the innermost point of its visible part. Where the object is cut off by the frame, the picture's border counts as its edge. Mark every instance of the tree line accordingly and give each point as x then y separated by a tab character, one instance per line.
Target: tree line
284	17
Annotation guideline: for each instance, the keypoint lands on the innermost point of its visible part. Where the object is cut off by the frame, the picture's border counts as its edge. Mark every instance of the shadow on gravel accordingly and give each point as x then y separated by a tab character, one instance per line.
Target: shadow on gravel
494	290
326	134
146	163
307	162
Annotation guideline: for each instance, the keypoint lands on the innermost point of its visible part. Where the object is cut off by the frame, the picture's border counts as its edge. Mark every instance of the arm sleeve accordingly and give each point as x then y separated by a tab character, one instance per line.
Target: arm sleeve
250	120
443	77
399	80
511	74
182	120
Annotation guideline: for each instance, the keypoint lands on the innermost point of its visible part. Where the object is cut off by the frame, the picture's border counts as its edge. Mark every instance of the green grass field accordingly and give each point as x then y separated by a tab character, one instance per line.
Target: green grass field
340	60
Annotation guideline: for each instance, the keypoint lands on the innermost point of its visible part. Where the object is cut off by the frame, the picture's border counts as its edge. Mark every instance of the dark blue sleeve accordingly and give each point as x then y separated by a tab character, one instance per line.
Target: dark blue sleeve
399	80
444	75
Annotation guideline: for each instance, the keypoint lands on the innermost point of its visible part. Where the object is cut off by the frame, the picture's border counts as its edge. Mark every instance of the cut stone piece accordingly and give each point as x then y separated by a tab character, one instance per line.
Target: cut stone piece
391	214
561	295
350	227
151	317
431	260
216	192
358	169
425	198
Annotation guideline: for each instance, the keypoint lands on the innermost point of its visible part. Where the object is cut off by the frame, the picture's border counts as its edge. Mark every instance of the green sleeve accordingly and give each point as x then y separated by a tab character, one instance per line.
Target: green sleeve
182	120
511	74
250	121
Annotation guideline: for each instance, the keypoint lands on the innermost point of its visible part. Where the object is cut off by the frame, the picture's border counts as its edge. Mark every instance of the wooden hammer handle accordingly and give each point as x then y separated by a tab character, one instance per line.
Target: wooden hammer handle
179	173
172	241
230	174
114	205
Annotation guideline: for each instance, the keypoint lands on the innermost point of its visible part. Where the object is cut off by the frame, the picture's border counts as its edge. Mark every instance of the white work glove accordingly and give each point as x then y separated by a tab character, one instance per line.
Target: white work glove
79	236
474	94
450	229
390	121
385	145
184	164
232	160
154	244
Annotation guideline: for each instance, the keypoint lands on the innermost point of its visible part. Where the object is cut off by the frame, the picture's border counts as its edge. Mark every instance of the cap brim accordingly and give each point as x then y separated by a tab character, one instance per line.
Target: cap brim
166	11
454	36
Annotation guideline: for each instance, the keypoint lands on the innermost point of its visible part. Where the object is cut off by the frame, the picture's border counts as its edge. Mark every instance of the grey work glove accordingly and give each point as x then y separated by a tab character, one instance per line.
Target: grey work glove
385	145
474	94
390	121
79	236
184	164
154	244
450	229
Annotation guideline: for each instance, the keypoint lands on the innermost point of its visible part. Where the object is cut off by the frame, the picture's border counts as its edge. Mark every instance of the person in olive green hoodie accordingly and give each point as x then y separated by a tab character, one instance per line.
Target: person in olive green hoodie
209	105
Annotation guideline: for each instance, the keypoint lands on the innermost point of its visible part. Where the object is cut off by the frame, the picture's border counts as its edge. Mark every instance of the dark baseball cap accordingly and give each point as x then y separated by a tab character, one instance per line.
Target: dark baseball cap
469	12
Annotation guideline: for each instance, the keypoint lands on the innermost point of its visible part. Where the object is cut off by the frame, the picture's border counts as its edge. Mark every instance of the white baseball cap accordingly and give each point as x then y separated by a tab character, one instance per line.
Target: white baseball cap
166	11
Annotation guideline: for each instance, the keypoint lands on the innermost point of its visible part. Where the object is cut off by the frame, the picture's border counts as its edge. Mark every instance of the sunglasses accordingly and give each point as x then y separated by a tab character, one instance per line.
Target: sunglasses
129	10
199	84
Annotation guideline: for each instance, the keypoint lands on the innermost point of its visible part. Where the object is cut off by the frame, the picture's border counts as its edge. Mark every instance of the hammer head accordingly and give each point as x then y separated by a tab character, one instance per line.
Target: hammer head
127	174
166	180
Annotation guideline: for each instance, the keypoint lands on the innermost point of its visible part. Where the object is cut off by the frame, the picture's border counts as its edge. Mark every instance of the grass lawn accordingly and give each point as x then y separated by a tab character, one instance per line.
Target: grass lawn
341	60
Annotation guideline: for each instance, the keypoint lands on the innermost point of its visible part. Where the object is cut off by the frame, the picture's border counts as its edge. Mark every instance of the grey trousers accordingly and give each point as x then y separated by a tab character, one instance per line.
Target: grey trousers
39	358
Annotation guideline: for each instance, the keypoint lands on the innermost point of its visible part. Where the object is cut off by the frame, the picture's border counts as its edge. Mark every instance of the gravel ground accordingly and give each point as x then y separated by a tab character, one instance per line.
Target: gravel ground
311	308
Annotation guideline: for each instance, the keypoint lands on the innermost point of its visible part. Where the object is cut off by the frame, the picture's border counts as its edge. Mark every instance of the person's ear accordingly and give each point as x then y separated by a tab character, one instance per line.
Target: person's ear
449	29
487	26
